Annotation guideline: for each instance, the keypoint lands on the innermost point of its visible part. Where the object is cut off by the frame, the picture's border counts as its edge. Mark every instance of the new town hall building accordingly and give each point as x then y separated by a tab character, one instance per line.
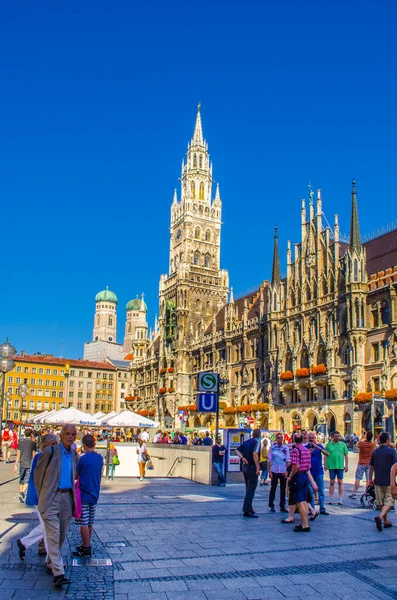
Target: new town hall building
299	351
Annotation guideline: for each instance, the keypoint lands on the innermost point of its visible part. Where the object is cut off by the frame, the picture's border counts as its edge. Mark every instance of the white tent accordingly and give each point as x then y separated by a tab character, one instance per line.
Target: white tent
104	420
99	415
42	416
131	419
73	416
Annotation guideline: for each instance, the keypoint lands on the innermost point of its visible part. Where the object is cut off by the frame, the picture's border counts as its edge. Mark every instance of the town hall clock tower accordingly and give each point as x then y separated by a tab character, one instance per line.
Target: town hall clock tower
195	288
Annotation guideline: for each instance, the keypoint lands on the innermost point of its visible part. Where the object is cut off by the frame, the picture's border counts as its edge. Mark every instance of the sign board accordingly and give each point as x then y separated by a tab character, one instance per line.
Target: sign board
207	402
208	382
251	420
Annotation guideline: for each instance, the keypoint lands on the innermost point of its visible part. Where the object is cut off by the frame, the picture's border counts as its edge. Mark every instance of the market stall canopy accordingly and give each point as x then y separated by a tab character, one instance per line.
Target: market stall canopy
42	416
106	418
131	419
72	416
99	415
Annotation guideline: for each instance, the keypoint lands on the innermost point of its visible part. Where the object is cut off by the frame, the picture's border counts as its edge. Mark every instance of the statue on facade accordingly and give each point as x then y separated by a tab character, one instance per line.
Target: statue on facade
385	367
245	375
356	379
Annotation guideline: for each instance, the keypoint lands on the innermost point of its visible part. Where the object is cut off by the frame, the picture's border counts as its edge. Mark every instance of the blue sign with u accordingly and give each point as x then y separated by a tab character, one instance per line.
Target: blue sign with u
207	402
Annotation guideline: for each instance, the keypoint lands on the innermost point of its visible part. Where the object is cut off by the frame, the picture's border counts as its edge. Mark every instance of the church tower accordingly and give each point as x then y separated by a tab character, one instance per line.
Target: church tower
105	320
136	328
195	287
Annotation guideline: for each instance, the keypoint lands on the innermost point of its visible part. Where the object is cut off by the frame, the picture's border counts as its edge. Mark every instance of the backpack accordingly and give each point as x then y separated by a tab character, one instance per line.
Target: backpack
6	435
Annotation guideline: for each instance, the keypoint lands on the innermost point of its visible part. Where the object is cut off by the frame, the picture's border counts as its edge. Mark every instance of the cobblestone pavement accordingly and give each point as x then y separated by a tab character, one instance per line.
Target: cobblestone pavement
164	537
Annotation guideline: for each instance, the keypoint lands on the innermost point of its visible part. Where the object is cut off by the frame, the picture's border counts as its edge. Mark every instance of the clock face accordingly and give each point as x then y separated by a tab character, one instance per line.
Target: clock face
178	234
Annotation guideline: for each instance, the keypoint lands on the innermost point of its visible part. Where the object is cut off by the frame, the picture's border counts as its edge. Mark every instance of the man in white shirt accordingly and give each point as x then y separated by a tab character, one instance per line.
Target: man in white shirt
144	436
157	437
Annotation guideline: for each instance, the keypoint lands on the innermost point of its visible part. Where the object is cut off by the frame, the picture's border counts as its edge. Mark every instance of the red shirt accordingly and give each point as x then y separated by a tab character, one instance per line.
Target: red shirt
301	456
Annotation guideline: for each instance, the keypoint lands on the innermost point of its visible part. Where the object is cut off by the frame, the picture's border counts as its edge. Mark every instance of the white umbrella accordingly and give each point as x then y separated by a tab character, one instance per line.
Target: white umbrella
39	416
47	413
99	415
104	420
131	419
73	416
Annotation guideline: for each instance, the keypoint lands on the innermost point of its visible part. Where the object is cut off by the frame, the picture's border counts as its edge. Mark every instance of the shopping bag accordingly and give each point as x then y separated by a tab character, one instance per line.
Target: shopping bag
115	460
149	465
78	507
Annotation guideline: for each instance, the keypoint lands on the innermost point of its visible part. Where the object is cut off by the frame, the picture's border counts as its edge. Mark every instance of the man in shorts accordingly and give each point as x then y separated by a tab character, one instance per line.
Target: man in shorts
365	449
382	461
89	471
337	463
26	450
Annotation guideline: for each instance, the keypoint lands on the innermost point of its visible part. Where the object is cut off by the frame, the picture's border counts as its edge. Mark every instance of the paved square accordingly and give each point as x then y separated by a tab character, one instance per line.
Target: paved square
169	537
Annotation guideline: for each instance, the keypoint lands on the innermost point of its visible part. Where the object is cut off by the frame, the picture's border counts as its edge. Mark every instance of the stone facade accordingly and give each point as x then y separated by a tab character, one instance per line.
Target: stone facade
295	352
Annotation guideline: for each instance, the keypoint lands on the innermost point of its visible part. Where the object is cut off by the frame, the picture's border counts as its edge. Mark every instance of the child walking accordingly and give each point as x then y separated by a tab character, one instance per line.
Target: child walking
89	471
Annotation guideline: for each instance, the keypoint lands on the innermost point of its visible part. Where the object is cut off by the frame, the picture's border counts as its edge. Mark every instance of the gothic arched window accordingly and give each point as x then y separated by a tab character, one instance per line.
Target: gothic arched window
201	162
196	259
355	270
384	312
198	305
304	360
195	161
197	233
208	235
98	320
375	315
207	260
193	189
129	327
110	321
201	197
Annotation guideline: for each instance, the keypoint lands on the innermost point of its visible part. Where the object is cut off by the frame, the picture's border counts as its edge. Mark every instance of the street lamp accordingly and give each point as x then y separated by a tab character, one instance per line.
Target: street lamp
22	392
6	364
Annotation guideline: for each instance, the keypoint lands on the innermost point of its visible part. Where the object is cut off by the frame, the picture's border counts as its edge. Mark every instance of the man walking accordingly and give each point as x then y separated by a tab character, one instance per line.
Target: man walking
337	462
54	479
382	461
316	452
278	462
207	439
249	452
218	454
365	449
26	450
300	466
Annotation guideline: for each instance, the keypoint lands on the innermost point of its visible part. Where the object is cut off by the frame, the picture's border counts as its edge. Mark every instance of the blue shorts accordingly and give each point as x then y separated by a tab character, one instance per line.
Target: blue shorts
302	488
333	473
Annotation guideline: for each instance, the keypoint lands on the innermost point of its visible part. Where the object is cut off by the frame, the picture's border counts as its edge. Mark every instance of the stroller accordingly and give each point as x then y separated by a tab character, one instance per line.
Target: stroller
368	500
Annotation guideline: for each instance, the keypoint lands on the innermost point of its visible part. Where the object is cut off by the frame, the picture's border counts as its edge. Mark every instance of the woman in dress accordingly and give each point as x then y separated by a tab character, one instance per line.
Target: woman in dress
142	458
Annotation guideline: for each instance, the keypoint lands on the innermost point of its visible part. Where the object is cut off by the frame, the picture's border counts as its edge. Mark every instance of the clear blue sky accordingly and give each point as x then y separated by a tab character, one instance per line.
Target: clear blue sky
97	105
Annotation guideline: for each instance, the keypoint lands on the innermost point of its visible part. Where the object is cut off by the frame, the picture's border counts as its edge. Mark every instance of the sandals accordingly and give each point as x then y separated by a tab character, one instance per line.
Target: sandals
314	516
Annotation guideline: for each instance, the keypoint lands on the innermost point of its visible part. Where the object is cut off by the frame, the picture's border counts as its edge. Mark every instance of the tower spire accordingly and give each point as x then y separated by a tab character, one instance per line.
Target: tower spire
198	129
355	239
276	277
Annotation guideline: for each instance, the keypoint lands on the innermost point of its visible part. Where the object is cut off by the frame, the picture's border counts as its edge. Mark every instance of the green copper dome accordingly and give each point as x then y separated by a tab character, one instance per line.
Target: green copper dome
106	296
135	304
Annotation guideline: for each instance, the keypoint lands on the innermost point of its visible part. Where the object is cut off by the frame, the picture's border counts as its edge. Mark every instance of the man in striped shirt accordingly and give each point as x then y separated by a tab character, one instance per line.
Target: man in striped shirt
300	466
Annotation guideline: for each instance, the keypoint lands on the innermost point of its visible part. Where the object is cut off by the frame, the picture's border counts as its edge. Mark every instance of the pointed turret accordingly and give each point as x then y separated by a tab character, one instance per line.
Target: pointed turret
276	276
143	305
355	239
175	199
217	199
198	129
231	296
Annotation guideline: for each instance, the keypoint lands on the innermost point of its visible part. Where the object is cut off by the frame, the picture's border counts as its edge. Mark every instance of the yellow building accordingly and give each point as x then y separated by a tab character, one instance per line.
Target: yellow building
55	383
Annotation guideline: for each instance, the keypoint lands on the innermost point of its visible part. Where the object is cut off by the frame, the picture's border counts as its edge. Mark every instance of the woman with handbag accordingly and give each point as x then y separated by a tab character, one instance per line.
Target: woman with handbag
114	460
143	458
263	459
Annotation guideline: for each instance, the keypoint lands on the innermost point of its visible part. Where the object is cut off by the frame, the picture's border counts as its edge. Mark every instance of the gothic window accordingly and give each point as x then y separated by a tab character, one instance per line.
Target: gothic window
346	355
321	355
274	301
384	312
304	360
201	191
375	315
195	161
208	307
358	322
201	162
129	327
196	259
343	322
293	300
197	233
288	362
97	320
355	270
193	189
308	294
207	261
208	235
325	287
110	322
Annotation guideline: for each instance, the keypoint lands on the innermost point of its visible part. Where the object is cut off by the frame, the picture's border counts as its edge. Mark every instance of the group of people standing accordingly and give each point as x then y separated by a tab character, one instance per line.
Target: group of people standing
53	492
298	470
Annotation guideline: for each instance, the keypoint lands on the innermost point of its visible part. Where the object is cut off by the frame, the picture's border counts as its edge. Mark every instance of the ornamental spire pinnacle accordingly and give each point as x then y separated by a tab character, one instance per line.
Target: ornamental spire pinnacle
198	129
276	276
355	239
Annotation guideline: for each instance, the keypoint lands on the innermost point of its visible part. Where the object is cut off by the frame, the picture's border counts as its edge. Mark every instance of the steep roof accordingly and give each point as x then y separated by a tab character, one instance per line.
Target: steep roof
381	252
